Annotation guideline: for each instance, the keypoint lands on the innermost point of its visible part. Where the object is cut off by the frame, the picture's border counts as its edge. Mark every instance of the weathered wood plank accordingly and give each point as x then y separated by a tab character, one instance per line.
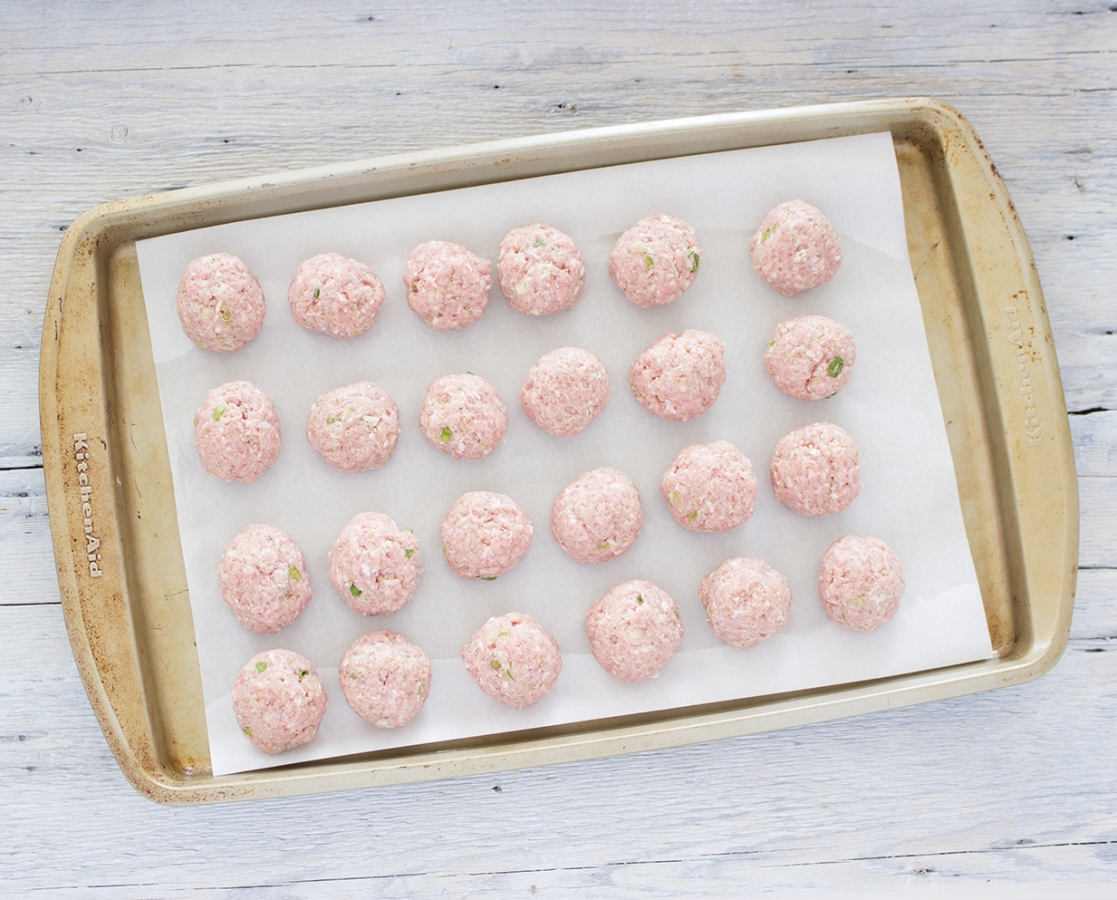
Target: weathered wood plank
867	802
364	88
25	547
1097	499
1095	444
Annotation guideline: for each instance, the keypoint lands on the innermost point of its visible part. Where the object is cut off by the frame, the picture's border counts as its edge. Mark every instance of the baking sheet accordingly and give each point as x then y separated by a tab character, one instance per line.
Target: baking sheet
890	407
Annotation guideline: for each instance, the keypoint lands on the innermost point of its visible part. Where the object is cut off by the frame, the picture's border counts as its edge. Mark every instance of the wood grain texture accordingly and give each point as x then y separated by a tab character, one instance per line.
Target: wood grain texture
25	539
860	801
1015	787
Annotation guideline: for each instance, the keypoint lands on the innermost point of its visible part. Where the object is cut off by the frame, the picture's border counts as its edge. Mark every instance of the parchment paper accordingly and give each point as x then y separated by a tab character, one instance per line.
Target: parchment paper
890	406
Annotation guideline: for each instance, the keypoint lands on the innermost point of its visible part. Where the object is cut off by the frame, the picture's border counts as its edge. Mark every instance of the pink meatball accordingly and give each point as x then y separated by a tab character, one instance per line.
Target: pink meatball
484	535
374	564
236	432
278	700
810	357
860	582
815	469
795	248
262	575
463	415
220	303
680	375
540	270
655	260
447	285
354	427
335	295
513	659
710	487
597	516
746	601
385	678
634	630
565	391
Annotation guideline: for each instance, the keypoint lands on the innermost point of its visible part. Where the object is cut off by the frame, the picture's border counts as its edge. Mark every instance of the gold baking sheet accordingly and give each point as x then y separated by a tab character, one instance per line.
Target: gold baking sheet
990	346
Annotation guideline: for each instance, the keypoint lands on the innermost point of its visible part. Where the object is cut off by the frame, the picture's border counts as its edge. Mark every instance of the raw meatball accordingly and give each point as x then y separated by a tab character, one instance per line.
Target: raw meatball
810	357
565	391
513	659
710	487
746	601
795	248
860	582
354	427
262	575
447	285
385	678
679	376
236	432
374	564
633	630
815	469
655	260
220	303
597	516
540	270
463	415
484	535
278	700
335	295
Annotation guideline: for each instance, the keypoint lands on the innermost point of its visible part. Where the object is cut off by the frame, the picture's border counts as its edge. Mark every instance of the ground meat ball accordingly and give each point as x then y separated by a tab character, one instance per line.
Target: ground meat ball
860	582
540	270
262	575
447	285
746	601
463	415
633	630
335	295
810	357
815	469
220	303
354	427
710	487
484	534
236	432
374	564
385	678
565	391
278	700
513	659
655	260
597	516
795	248
679	376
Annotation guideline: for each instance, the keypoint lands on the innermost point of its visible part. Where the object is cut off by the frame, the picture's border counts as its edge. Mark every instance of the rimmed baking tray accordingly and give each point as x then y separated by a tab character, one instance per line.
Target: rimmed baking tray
115	533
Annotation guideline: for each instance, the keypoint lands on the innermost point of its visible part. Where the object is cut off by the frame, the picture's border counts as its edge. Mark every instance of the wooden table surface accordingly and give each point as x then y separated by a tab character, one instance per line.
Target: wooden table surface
1014	788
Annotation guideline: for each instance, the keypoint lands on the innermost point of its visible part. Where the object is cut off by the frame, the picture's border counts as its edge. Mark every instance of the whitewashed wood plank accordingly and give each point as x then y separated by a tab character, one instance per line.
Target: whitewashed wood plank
1095	444
26	555
1097	500
1095	607
1022	873
363	88
868	801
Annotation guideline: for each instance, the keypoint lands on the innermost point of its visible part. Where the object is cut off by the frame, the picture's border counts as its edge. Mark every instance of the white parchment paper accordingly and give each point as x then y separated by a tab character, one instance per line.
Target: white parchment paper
890	406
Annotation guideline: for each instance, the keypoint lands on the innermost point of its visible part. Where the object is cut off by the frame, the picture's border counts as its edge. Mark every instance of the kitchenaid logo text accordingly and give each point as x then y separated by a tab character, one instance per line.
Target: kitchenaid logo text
92	542
1031	414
